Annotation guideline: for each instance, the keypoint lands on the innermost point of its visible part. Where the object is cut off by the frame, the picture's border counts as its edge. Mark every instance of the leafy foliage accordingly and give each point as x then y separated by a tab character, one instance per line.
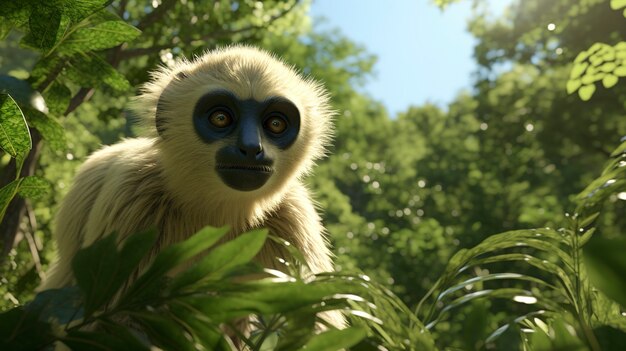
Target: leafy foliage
600	63
190	310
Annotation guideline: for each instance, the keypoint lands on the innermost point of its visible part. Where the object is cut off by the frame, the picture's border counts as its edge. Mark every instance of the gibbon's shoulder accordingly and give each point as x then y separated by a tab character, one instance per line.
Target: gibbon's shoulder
127	155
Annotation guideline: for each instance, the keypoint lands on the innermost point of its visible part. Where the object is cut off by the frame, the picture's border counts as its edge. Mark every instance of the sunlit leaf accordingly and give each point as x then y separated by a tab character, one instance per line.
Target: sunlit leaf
578	70
235	252
586	91
573	85
34	187
98	37
609	81
14	133
617	4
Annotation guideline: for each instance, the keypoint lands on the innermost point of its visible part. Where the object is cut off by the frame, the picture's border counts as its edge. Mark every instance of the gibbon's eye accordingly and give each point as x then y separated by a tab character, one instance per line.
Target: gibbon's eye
276	124
220	119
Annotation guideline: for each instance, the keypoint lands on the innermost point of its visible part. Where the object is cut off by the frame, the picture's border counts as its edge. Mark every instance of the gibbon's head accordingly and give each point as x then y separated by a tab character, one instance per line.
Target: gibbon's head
237	121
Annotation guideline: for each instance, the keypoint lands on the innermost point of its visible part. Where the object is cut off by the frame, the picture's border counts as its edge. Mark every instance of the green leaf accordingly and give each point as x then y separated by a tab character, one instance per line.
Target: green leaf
620	71
22	330
219	260
34	187
335	339
174	255
44	22
582	56
164	332
606	266
573	85
618	4
44	67
14	134
14	14
89	70
58	98
207	334
578	70
80	9
49	129
7	193
608	337
101	270
609	81
98	37
123	333
586	92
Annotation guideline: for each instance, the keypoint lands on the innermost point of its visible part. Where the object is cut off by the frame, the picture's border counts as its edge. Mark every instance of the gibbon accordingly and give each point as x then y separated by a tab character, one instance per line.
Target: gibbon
230	136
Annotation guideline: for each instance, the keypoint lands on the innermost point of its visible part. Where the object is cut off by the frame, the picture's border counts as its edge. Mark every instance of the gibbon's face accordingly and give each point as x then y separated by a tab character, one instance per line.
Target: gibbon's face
244	162
235	123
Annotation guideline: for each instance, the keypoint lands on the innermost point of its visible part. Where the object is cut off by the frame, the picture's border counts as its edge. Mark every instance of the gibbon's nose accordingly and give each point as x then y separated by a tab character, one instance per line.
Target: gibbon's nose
249	142
251	149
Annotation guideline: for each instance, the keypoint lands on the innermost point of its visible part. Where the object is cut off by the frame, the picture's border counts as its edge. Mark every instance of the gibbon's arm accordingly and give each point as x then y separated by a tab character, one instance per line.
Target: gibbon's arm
116	189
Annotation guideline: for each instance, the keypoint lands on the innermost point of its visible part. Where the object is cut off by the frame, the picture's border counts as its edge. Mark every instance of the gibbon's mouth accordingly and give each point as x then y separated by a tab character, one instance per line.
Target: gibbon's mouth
244	177
251	168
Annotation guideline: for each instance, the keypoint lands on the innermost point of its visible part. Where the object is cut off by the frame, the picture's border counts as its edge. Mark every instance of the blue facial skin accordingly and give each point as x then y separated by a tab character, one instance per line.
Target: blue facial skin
244	164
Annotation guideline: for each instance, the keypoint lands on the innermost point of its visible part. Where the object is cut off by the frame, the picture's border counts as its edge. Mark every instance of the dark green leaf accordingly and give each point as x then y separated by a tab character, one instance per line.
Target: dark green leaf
127	335
49	128
44	22
89	70
606	266
610	338
204	331
174	255
34	187
100	270
80	340
100	36
14	14
165	332
219	260
14	134
58	98
22	330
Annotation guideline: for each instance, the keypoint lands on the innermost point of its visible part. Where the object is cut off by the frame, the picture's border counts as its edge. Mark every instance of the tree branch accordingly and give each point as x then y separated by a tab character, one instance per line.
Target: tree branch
135	52
155	15
225	33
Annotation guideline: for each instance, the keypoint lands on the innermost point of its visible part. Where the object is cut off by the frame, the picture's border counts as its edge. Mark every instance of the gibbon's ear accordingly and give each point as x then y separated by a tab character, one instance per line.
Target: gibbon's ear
160	123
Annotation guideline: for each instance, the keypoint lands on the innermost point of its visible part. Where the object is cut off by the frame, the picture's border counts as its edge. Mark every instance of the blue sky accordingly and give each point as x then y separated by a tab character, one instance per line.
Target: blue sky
424	54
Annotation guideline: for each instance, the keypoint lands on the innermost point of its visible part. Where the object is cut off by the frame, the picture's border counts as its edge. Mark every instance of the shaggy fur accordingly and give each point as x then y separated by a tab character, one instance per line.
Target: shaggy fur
167	180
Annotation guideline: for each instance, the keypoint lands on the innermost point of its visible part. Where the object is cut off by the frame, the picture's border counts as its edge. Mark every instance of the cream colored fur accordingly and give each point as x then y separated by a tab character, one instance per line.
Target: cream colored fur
167	180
